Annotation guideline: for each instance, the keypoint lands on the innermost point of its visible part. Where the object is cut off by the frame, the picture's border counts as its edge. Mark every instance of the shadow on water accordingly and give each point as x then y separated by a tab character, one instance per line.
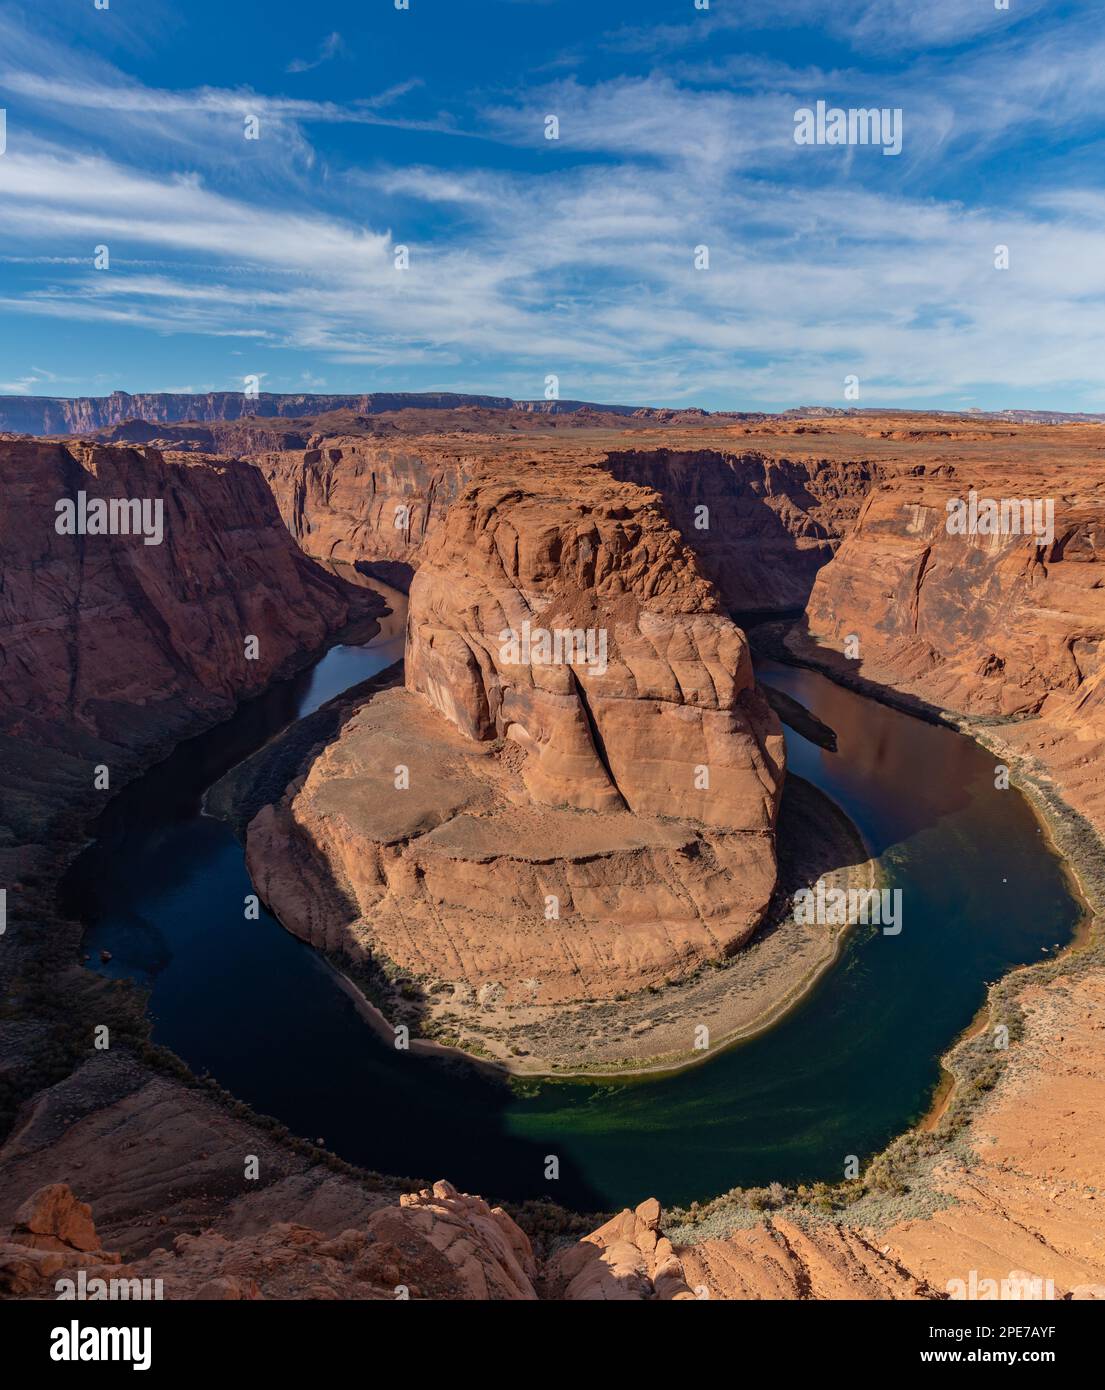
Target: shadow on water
163	889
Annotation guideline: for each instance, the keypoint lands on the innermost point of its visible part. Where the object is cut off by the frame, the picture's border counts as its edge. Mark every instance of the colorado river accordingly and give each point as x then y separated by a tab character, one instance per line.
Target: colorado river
162	889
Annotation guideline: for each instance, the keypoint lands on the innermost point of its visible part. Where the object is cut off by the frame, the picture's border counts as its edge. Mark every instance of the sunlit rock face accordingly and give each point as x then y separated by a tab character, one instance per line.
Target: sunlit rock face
580	727
978	618
564	612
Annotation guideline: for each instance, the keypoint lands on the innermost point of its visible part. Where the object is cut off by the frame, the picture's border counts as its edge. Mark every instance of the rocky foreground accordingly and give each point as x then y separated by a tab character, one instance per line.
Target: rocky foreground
1010	1201
111	653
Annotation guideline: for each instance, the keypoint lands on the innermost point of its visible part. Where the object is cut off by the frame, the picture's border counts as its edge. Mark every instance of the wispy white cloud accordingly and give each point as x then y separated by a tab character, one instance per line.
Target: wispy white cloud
134	98
29	385
590	275
332	46
823	262
877	26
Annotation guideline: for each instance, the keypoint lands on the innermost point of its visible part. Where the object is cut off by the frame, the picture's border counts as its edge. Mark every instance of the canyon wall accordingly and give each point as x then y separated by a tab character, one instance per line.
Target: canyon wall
96	625
762	526
358	501
82	414
111	648
993	627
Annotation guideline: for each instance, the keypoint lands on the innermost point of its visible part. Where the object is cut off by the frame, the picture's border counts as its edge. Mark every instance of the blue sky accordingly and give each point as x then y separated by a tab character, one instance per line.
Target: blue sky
575	257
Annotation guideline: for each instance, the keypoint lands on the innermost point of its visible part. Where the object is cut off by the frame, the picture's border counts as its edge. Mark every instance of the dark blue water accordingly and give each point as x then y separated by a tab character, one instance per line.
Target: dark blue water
855	1063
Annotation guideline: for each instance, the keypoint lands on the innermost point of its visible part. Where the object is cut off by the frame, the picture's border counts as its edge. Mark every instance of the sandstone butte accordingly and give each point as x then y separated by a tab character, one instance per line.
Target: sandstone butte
993	631
581	783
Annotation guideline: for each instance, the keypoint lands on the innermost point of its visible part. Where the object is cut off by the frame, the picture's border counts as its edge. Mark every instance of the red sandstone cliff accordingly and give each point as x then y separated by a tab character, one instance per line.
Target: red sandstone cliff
84	414
354	500
95	627
760	520
762	526
111	650
659	715
991	626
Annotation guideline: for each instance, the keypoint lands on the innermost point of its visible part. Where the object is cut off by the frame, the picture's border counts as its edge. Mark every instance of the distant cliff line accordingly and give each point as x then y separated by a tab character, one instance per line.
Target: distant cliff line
58	415
82	414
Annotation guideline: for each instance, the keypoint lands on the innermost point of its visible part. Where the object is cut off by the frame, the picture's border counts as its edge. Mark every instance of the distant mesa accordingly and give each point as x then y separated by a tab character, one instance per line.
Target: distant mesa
59	415
83	414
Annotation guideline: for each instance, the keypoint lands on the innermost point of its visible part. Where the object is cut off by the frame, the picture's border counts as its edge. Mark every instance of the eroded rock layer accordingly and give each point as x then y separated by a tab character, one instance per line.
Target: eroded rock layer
564	613
761	514
1004	627
762	526
110	645
360	501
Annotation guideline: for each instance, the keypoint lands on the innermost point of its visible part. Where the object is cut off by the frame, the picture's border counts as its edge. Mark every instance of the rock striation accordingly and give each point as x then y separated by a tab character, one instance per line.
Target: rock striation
84	414
652	705
109	645
761	525
362	502
992	627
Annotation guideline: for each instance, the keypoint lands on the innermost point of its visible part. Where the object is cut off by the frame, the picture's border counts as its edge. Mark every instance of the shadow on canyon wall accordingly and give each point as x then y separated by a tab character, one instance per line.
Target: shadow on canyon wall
759	538
910	775
395	573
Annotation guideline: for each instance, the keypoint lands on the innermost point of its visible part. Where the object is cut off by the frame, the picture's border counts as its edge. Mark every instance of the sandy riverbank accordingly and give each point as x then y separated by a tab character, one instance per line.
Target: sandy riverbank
1071	837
